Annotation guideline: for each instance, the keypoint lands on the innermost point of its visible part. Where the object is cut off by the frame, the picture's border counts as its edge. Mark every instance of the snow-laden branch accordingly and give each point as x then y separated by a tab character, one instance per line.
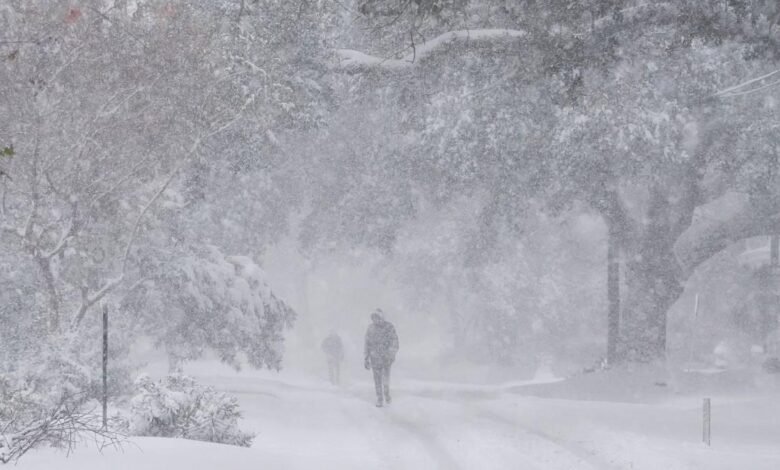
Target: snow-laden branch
28	224
238	115
63	424
119	183
194	148
64	238
141	216
87	301
713	233
750	86
70	230
352	59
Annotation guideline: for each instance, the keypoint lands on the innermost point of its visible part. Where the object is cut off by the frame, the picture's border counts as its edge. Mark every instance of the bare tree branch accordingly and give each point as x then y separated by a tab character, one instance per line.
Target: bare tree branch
86	300
355	60
740	89
64	425
707	237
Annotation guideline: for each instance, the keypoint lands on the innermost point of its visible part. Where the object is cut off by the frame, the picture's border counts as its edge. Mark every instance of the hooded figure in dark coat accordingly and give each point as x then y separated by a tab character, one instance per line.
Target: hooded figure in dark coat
381	348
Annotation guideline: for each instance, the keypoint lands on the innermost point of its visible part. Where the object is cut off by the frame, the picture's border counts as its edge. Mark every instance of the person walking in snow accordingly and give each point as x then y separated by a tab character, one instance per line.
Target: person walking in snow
380	350
334	353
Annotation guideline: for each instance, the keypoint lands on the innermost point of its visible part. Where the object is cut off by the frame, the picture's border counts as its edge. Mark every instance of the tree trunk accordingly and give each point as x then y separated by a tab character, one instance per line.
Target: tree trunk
654	278
653	286
661	257
54	303
175	362
613	297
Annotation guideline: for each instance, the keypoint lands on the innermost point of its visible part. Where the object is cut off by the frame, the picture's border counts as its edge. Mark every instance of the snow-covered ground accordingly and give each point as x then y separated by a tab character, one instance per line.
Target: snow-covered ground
304	423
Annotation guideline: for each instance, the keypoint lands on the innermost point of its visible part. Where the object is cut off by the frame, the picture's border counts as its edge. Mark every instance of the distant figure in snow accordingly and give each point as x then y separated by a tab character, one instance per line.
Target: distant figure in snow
334	353
381	347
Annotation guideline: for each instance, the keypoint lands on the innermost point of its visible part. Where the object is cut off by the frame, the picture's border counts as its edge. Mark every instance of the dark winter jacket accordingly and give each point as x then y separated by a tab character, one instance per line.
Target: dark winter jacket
333	347
381	343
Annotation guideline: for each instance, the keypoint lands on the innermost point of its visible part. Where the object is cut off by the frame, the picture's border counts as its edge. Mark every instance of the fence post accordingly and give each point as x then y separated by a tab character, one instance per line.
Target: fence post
706	421
105	366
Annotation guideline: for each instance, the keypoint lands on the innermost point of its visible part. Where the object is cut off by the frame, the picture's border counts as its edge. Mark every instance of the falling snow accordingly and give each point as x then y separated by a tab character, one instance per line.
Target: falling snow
391	234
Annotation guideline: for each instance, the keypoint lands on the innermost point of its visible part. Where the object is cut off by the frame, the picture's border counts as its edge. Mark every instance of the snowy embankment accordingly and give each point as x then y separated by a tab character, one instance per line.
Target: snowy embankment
303	423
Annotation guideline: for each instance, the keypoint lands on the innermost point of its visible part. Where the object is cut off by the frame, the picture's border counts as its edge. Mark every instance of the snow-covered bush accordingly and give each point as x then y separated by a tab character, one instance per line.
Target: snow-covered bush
31	417
177	406
70	364
207	300
49	388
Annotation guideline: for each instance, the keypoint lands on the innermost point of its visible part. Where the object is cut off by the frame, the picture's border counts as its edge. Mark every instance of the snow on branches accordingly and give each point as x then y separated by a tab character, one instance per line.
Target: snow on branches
177	406
207	300
352	59
32	418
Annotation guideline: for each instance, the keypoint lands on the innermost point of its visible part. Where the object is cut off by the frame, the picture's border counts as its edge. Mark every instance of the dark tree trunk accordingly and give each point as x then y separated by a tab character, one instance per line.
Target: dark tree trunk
613	297
654	279
661	248
653	284
651	292
660	259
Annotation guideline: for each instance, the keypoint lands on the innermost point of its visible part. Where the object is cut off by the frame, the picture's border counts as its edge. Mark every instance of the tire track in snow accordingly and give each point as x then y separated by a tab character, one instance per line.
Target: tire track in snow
587	456
429	440
409	429
367	431
426	428
499	444
423	433
580	453
378	426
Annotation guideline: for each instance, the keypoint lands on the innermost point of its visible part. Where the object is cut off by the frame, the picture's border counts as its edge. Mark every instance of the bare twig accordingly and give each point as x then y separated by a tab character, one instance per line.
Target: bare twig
65	425
86	300
739	89
351	59
118	183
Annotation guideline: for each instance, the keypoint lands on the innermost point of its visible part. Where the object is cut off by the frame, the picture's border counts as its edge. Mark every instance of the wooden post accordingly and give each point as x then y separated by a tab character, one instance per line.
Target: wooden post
105	366
706	421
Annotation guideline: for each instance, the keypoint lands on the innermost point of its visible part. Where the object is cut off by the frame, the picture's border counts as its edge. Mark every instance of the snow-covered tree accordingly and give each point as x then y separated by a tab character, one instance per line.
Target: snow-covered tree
576	104
208	301
124	127
115	119
511	297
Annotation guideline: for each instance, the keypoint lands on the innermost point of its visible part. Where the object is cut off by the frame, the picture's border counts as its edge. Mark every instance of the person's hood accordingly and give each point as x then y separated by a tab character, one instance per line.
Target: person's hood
378	315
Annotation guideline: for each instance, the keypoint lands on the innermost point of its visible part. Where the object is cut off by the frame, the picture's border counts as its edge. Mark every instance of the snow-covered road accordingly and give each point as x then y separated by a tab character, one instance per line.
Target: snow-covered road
455	426
304	423
445	429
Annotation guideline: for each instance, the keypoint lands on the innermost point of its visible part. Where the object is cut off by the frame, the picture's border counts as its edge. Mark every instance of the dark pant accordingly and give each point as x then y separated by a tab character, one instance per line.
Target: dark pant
333	371
381	380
